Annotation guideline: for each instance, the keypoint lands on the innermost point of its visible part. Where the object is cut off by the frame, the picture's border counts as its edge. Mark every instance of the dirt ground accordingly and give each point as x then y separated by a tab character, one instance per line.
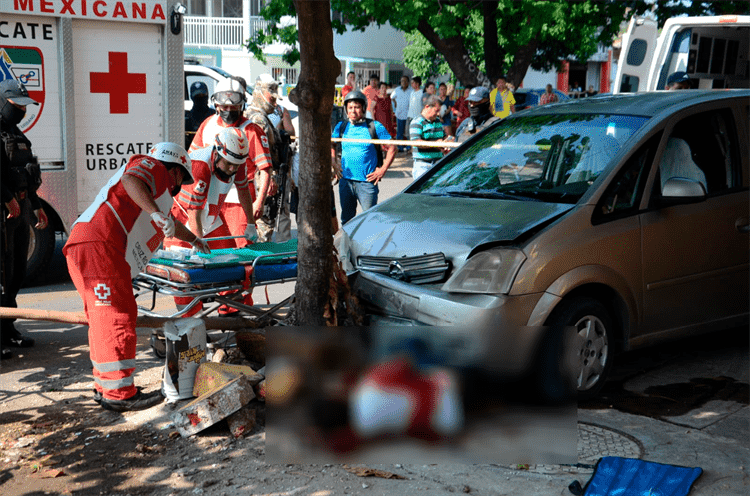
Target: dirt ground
54	439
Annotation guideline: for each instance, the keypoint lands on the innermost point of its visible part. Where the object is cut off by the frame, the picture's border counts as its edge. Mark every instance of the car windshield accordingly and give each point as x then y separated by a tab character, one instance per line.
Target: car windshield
553	158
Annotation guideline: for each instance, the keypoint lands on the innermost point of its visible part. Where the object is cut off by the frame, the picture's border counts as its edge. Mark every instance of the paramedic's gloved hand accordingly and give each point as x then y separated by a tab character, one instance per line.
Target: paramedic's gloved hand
14	209
165	222
42	221
201	245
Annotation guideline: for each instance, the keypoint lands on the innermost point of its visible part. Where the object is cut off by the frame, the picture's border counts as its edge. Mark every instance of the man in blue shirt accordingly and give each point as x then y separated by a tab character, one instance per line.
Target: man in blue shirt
360	168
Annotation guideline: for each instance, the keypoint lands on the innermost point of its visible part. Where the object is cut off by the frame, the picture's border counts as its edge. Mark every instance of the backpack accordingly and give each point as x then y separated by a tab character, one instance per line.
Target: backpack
373	135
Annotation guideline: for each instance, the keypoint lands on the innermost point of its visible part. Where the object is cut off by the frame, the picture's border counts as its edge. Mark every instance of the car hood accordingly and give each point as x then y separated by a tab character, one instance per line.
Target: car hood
413	224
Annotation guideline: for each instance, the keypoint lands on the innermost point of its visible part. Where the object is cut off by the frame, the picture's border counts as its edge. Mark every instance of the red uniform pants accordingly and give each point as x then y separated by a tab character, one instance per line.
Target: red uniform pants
102	277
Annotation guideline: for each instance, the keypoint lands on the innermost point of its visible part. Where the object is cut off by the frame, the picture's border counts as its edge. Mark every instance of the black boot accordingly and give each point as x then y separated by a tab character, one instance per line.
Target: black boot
141	401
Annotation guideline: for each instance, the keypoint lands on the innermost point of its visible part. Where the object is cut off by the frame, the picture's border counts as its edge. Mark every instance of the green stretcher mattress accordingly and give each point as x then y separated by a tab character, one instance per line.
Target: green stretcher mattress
270	261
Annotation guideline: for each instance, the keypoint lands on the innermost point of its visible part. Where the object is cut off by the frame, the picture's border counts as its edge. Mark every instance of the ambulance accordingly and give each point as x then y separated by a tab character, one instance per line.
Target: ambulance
712	50
109	79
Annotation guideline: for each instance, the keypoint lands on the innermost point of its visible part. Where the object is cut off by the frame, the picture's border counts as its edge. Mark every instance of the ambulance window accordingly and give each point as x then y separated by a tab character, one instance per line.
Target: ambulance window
629	83
637	52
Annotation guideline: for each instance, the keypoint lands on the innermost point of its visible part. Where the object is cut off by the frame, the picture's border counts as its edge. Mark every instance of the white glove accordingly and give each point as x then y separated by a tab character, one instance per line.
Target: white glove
165	222
201	245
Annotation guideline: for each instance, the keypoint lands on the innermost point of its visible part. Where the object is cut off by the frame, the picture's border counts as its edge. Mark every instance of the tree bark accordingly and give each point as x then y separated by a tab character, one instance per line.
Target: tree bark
313	95
521	62
465	70
493	53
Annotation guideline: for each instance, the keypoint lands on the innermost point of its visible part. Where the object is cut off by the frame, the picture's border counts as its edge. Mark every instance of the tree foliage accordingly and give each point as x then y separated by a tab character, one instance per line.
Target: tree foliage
422	58
481	39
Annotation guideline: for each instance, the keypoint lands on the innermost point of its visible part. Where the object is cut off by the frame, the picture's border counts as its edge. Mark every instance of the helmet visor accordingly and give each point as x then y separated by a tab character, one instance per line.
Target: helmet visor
228	98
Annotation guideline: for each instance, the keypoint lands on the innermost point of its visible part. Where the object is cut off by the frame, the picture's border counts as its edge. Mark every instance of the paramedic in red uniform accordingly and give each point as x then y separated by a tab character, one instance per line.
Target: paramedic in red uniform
109	244
198	205
229	100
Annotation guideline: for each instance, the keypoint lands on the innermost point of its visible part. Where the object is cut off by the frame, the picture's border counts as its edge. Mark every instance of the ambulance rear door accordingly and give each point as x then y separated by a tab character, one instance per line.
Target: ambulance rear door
638	47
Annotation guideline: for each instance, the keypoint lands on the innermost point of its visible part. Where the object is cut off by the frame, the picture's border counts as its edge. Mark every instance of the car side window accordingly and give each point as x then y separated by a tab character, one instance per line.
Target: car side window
622	196
703	148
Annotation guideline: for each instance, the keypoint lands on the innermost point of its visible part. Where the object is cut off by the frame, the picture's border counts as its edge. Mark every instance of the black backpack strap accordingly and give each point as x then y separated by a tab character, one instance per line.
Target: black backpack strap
374	135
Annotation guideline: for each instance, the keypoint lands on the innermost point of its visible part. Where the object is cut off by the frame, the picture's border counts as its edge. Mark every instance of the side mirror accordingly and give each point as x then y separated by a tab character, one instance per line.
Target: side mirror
679	190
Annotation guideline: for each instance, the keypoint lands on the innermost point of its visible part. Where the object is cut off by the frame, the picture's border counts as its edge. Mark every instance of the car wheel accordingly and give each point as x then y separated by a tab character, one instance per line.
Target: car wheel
41	250
591	344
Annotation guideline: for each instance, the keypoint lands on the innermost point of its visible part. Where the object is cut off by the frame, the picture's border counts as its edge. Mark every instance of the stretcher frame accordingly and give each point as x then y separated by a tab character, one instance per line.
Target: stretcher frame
208	292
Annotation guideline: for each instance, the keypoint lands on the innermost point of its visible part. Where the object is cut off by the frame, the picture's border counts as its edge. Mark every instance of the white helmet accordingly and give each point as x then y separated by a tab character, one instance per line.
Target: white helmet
172	154
229	91
232	144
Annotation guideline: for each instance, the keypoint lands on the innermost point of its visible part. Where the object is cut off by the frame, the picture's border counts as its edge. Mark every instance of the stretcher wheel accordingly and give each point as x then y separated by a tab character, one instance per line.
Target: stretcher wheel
158	345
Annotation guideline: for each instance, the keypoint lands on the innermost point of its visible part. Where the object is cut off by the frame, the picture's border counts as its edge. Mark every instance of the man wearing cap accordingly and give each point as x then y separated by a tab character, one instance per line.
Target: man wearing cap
678	81
109	244
200	111
502	101
264	111
20	178
480	115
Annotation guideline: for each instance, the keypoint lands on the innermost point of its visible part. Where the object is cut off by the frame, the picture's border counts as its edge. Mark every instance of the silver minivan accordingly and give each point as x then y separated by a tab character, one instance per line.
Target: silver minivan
625	217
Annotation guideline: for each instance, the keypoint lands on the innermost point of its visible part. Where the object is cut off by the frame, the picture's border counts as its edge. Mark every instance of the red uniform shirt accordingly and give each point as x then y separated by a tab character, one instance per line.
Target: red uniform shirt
116	219
207	193
259	156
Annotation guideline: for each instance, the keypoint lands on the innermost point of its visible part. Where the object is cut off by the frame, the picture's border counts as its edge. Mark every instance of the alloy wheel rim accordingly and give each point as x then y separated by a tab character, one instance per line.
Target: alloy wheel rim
593	351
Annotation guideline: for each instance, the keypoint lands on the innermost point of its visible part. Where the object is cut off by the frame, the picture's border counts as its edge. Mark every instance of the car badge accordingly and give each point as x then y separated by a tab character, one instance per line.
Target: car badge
396	271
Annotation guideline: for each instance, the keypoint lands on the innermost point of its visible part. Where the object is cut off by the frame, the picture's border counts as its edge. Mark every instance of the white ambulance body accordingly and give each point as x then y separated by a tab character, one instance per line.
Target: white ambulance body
109	78
712	50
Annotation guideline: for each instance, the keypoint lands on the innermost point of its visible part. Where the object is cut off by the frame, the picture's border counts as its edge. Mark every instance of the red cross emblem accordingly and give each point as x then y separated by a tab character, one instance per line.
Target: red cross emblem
155	240
118	82
102	291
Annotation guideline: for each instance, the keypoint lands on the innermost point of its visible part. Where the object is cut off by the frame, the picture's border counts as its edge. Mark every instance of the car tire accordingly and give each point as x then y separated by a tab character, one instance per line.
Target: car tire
41	250
591	345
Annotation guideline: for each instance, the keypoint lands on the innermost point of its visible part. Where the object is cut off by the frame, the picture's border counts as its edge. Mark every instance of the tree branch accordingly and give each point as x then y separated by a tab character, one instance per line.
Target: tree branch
455	53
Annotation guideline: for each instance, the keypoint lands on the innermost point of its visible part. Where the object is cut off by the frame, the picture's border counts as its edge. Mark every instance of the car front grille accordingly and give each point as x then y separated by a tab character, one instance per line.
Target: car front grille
421	269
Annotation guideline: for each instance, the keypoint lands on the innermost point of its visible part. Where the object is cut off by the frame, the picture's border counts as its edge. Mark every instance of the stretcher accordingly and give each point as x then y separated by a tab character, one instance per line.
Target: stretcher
205	276
222	277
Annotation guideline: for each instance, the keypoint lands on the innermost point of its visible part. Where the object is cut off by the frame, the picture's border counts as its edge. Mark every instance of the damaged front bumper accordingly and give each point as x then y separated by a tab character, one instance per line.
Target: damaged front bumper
468	330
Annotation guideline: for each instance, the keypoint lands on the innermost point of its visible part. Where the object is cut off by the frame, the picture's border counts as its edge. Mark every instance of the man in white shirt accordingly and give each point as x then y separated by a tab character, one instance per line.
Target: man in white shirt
415	100
400	101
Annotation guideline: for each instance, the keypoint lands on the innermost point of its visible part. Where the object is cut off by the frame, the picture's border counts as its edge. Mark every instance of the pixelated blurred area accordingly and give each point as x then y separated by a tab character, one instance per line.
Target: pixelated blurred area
392	395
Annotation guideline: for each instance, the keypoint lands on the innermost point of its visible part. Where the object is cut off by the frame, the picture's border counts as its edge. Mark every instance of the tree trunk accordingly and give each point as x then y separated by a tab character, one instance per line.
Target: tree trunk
465	70
521	62
493	53
319	69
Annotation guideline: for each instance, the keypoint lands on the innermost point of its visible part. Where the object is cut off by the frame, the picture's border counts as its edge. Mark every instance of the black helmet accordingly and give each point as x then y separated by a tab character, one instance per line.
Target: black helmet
355	95
198	88
13	90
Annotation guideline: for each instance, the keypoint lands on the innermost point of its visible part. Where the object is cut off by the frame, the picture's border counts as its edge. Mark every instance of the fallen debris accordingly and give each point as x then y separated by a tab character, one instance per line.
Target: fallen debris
211	376
371	472
241	422
210	408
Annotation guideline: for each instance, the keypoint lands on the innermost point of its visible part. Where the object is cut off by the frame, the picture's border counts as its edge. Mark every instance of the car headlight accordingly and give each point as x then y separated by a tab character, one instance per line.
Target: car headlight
491	271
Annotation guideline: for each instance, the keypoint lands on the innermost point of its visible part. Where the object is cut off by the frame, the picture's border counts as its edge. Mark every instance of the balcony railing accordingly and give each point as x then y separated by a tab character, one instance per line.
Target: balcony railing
221	31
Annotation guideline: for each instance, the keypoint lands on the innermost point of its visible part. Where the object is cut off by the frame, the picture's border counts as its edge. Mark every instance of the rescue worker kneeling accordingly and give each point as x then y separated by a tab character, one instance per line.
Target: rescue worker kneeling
200	205
109	244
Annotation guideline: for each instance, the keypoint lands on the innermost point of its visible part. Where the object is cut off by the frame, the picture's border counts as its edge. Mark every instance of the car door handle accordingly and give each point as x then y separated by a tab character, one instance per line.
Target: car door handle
742	225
